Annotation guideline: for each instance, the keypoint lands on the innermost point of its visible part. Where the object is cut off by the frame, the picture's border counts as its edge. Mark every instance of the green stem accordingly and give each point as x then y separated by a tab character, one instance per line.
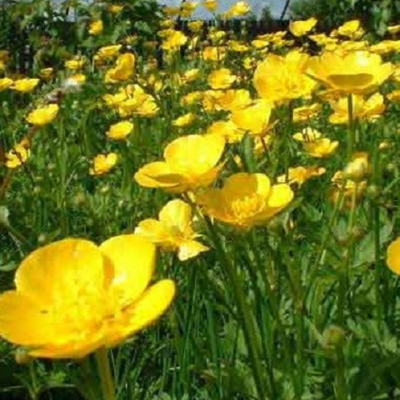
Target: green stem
340	377
245	317
107	382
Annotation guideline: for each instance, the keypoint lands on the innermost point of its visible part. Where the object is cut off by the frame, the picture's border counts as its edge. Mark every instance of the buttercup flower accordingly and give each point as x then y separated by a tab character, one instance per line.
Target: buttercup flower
96	27
300	175
393	256
5	83
190	162
254	118
173	231
221	79
43	115
25	85
281	79
18	155
245	200
123	70
356	72
210	5
73	297
184	120
300	28
368	109
120	131
103	163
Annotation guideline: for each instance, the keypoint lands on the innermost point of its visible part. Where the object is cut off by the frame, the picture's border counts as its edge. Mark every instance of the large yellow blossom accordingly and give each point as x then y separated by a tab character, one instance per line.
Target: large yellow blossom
73	297
190	162
123	69
173	230
281	79
357	72
43	115
245	200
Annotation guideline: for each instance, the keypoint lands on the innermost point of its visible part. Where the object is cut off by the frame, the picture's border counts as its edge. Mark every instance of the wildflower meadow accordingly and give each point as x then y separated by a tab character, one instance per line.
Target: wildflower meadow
194	212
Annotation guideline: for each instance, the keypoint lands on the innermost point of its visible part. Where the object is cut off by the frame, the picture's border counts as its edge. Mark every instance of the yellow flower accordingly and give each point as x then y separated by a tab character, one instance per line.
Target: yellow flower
393	29
190	75
195	26
245	200
210	5
214	53
46	73
173	231
254	118
103	163
109	51
281	79
363	109
174	41
238	9
184	120
25	85
357	72
351	29
187	8
73	297
226	129
5	83
320	148
74	64
306	113
190	163
123	70
307	135
232	99
221	78
358	167
18	155
299	175
115	8
43	115
96	27
351	191
300	28
393	256
120	131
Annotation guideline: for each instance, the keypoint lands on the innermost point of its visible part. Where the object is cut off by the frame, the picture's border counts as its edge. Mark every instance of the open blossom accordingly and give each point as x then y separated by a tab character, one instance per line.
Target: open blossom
120	131
282	78
18	155
103	163
301	28
356	72
43	115
96	27
369	109
73	297
221	78
300	175
25	85
190	162
173	231
245	200
123	70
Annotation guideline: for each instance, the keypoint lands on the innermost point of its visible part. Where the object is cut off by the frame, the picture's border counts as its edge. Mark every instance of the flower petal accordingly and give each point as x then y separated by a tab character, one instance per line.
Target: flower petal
133	259
154	302
61	267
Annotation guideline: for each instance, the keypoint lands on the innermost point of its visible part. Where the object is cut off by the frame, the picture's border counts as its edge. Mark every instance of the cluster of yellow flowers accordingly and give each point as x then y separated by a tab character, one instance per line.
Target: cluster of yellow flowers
229	93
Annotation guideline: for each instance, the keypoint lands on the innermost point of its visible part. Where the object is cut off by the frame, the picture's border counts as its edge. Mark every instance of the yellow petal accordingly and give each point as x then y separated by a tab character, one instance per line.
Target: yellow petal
281	195
145	311
133	259
176	213
24	321
190	249
61	267
393	256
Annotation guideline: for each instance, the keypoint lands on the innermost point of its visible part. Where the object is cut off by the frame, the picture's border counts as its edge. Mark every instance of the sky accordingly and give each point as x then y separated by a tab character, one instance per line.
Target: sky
275	6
